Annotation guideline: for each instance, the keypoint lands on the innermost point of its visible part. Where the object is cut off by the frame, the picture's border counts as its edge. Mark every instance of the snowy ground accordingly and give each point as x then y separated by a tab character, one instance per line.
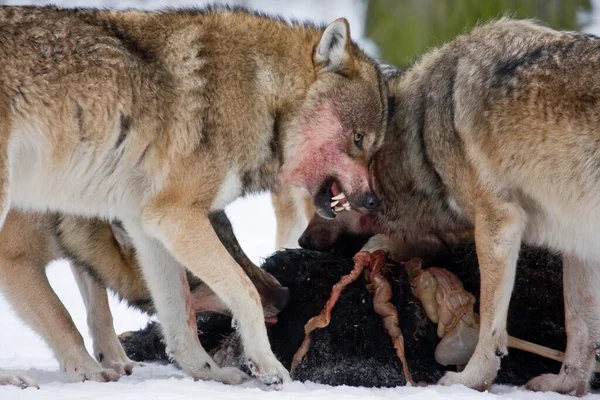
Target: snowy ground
21	349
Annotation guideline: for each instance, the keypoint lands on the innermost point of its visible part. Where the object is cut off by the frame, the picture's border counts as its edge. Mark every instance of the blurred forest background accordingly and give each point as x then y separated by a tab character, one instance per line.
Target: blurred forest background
404	29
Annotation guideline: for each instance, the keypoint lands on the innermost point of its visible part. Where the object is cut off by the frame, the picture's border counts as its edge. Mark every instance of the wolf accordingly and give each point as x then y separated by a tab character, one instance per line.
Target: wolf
496	135
158	118
102	256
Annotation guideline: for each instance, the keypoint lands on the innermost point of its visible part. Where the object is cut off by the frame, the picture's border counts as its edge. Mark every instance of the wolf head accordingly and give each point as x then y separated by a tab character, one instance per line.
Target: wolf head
339	127
414	204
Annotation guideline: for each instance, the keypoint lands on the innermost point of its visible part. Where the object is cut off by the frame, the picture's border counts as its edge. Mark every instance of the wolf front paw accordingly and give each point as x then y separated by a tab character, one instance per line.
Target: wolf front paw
479	374
468	380
122	367
226	375
81	374
271	373
17	379
561	383
117	361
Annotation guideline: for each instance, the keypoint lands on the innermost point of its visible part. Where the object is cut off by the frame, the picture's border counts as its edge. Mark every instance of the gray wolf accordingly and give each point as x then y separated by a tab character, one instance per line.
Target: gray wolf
496	134
159	118
102	256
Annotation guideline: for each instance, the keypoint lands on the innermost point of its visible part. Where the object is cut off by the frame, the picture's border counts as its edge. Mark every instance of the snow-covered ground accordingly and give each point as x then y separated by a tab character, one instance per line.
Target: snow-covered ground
21	349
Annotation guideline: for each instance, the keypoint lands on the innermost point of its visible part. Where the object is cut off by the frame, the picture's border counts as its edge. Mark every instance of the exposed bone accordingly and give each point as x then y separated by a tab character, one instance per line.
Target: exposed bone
339	196
540	350
448	304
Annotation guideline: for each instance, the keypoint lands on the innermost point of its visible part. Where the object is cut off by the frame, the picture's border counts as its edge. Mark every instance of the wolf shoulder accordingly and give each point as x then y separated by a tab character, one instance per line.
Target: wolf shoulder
506	57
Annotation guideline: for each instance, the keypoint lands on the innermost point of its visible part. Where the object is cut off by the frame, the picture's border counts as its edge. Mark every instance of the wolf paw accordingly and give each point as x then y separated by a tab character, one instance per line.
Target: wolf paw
226	375
16	379
561	383
123	367
117	361
101	375
271	374
479	374
81	373
468	380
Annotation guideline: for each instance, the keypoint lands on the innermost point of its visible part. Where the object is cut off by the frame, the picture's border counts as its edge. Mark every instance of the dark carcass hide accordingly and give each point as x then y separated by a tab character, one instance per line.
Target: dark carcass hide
354	349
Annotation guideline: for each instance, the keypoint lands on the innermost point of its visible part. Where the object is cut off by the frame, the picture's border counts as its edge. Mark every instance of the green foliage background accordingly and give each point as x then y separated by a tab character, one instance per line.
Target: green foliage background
403	29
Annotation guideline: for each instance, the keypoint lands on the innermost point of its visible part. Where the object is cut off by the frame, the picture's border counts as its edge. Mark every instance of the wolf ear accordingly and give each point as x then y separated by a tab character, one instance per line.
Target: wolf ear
331	54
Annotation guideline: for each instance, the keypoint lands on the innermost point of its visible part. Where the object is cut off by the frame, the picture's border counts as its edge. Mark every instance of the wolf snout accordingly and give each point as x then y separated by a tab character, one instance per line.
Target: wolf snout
305	241
369	201
279	297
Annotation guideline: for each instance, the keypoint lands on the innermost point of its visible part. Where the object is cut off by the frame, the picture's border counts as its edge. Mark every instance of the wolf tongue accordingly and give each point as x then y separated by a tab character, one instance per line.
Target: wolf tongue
335	189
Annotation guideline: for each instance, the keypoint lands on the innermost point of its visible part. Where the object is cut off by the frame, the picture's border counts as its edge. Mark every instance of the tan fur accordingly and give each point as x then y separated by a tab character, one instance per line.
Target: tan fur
102	257
157	119
496	135
497	131
293	209
26	247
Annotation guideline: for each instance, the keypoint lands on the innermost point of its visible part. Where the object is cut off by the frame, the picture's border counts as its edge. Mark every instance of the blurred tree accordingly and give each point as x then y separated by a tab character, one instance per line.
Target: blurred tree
403	29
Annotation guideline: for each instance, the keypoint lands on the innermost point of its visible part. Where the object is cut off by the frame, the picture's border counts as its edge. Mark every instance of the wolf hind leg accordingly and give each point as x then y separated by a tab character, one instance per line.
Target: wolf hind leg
24	254
5	132
17	379
581	286
107	348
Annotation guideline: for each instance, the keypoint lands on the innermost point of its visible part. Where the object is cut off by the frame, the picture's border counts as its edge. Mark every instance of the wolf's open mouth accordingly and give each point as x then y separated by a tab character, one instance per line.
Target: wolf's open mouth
330	199
339	202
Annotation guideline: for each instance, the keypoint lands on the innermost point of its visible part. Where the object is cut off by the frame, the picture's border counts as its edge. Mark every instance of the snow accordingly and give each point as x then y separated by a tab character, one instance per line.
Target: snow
254	223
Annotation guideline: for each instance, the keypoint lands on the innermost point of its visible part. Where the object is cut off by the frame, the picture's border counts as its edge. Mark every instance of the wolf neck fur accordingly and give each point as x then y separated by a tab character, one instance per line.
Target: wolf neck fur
407	172
279	65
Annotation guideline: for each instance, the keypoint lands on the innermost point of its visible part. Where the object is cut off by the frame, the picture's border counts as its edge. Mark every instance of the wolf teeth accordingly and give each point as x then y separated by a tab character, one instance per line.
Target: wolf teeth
339	197
347	206
339	208
334	203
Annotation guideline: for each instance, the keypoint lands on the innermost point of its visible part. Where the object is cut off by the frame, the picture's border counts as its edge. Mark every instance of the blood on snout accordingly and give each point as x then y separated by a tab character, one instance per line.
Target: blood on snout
321	154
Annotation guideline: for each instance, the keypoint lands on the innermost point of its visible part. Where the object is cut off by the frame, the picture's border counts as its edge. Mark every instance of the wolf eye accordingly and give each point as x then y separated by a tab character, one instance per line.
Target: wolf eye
358	139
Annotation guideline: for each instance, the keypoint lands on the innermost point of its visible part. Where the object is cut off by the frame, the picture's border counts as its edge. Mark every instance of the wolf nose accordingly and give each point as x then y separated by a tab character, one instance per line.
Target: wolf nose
305	241
280	297
370	201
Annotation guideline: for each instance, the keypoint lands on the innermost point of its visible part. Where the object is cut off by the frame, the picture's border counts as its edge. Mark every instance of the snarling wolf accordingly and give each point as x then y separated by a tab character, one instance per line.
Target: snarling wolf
496	133
102	256
158	118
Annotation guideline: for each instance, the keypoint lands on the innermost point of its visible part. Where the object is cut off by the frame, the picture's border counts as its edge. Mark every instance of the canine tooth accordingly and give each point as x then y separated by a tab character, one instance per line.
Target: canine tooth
339	208
339	196
347	206
334	203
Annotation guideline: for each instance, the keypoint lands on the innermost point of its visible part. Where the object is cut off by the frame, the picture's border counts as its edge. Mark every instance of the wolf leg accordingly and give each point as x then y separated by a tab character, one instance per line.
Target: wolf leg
5	132
168	284
274	297
107	348
581	287
17	379
498	232
24	283
188	234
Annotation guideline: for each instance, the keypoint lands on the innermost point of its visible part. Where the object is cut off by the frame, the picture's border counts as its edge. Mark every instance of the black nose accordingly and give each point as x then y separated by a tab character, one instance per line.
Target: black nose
304	241
370	201
280	297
